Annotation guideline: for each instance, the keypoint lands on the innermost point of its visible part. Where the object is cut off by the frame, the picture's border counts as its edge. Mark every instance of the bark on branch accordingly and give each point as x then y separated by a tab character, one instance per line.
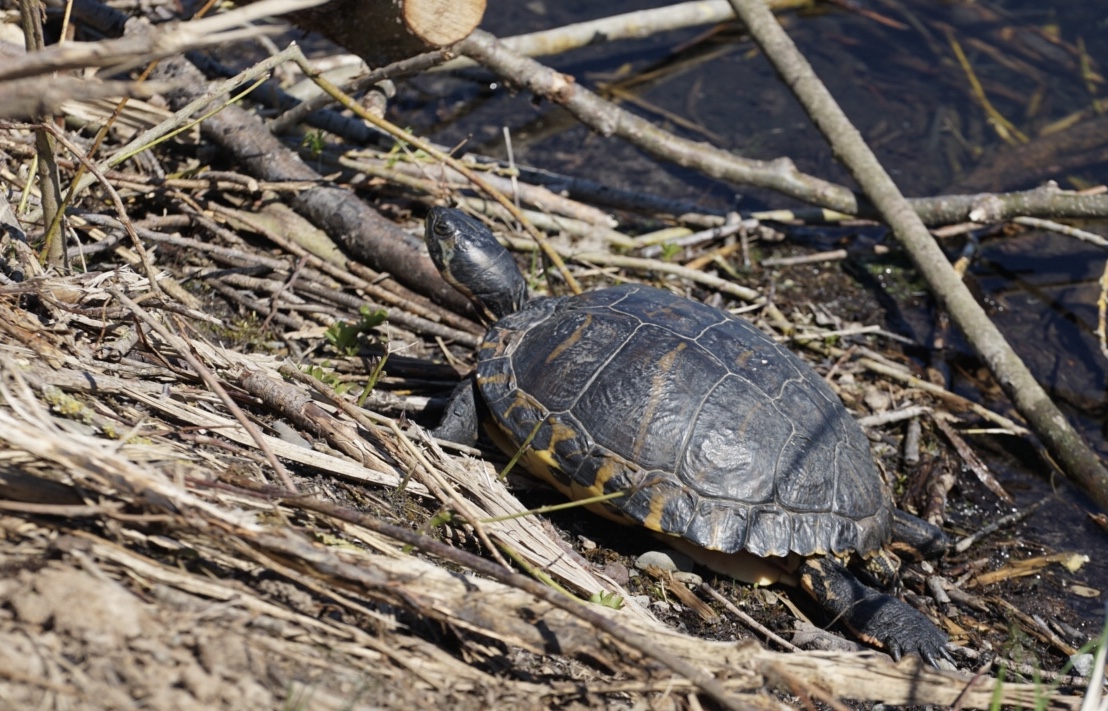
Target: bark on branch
29	98
607	119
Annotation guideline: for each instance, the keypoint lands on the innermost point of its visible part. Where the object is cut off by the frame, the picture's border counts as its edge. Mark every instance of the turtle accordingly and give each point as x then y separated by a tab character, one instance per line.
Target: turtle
706	431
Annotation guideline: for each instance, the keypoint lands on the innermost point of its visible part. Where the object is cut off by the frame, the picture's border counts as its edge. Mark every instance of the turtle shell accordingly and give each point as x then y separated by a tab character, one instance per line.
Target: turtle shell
709	430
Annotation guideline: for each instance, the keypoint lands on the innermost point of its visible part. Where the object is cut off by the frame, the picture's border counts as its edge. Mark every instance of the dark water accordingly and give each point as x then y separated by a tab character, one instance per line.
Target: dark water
902	87
906	91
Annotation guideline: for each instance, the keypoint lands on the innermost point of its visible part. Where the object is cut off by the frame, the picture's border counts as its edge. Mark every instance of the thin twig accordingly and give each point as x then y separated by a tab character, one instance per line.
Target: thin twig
407	137
167	40
117	201
630	25
966	543
748	620
1083	235
432	480
185	351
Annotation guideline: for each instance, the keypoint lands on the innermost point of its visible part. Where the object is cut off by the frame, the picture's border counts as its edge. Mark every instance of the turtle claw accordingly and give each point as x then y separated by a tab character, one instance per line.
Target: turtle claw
928	642
943	655
941	660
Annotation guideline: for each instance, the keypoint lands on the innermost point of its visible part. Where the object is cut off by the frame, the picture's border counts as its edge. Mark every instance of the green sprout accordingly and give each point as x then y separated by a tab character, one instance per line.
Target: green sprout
314	142
348	338
607	599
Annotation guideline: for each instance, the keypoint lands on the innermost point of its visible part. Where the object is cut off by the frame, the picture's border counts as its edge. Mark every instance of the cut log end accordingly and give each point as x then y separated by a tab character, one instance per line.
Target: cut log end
384	31
441	23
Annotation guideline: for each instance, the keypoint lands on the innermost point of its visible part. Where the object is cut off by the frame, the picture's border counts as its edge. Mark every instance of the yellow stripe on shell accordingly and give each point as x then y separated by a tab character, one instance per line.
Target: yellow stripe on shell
521	400
653	519
570	341
494	379
542	465
657	391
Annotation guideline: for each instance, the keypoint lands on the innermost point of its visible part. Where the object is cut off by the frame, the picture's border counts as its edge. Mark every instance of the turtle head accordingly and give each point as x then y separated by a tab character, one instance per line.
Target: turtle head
474	263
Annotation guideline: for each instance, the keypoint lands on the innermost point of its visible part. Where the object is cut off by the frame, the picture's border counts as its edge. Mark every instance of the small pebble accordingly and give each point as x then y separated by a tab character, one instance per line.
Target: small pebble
665	560
618	573
586	544
1082	664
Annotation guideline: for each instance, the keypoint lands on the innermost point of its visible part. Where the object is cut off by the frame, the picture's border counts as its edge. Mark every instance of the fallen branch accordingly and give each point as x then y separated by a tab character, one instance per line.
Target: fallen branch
185	351
28	98
780	175
608	119
843	676
165	41
381	32
361	230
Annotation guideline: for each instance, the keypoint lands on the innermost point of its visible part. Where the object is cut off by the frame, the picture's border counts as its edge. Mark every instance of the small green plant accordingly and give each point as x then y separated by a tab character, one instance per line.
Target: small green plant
348	338
670	250
343	337
535	273
314	142
607	599
441	517
401	150
374	376
326	375
1020	648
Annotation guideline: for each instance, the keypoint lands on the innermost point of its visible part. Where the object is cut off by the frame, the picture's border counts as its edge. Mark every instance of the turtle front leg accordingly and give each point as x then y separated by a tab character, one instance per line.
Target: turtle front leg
877	618
461	420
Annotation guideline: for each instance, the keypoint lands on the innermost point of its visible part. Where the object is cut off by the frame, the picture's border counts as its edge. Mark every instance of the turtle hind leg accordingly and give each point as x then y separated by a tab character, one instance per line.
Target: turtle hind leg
461	420
916	537
876	618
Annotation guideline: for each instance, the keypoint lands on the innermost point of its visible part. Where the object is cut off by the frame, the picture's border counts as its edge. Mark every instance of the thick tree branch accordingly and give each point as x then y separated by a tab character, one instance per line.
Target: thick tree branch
162	41
27	98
